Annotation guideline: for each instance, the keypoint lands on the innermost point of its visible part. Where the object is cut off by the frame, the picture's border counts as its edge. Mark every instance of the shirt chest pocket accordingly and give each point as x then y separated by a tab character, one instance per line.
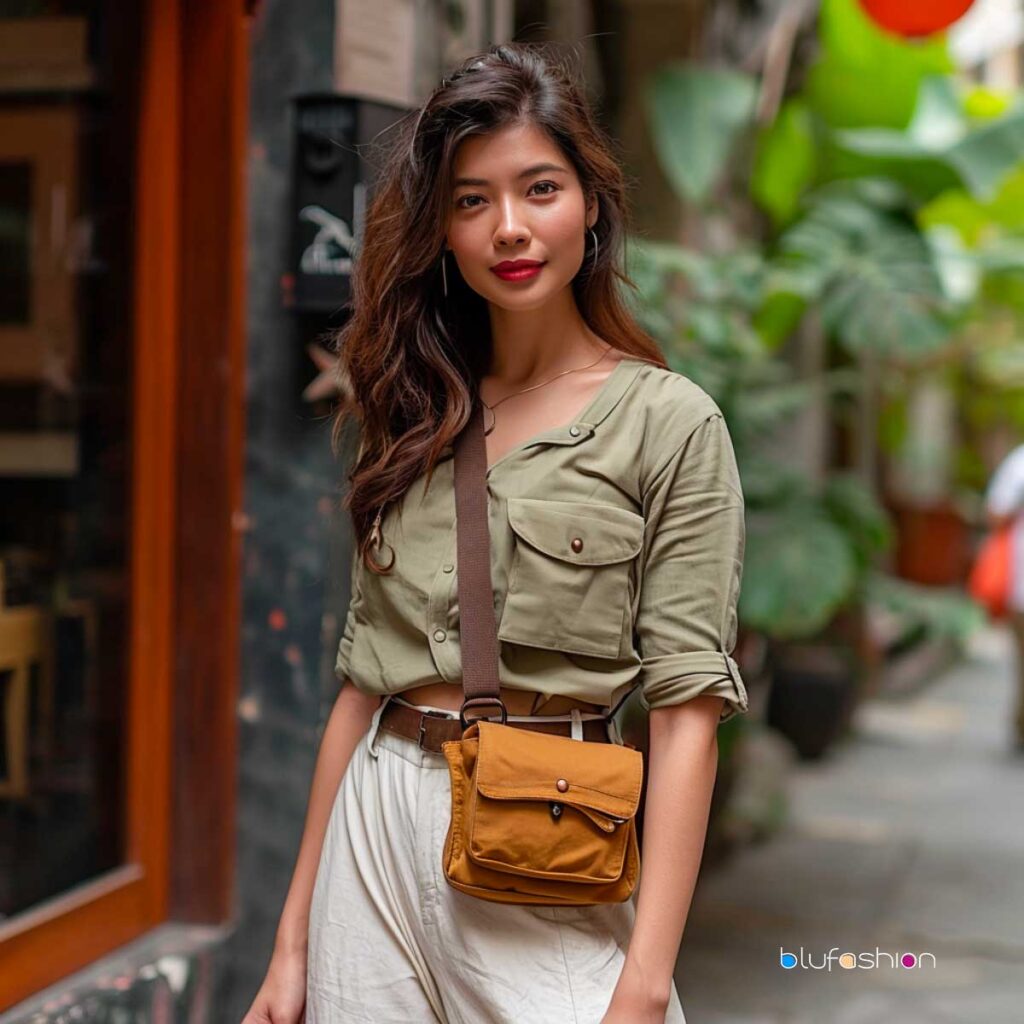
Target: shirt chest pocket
568	584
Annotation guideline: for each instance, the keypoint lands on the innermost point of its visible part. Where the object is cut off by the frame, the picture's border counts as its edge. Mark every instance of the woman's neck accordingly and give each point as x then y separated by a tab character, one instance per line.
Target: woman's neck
536	343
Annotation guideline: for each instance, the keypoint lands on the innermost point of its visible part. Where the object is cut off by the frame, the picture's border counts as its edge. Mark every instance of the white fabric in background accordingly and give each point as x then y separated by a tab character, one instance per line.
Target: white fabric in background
1005	495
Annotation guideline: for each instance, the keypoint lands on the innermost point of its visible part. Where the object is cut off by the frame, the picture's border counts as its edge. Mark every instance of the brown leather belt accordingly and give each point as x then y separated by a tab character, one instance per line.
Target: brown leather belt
431	728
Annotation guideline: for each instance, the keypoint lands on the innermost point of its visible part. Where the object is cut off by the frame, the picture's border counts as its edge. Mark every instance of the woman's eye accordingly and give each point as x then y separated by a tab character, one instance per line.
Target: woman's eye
466	202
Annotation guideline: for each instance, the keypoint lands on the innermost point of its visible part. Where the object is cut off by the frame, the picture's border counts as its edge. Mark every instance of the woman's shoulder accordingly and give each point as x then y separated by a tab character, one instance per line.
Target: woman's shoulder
672	404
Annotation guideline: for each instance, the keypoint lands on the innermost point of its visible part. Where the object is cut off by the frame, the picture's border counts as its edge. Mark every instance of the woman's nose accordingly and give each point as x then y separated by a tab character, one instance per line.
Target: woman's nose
512	229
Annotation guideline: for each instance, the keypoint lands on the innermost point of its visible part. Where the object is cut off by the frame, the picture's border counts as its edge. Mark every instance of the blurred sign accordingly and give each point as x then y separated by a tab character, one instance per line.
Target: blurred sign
375	51
330	187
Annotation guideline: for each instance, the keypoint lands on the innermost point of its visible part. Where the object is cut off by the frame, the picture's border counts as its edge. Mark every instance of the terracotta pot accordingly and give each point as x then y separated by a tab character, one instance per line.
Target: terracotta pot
933	544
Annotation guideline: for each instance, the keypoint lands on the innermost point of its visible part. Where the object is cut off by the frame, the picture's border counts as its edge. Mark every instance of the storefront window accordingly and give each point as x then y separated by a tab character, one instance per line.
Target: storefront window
65	397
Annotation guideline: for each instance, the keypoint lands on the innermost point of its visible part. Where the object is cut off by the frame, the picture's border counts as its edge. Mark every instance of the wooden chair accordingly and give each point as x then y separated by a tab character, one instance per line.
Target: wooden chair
26	638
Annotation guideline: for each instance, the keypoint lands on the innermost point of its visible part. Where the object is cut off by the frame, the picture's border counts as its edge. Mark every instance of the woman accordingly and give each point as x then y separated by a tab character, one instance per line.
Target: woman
1004	502
489	269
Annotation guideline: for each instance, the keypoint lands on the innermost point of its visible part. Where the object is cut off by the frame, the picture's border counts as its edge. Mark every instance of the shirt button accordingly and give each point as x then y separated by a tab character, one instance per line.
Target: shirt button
439	635
448	568
575	431
577	544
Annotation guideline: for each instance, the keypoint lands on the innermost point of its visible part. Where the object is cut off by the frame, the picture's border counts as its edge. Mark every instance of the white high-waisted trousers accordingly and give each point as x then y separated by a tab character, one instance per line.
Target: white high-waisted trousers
391	942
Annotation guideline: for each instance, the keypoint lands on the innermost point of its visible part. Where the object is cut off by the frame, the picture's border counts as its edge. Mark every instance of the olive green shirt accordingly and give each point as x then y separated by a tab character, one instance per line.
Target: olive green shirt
616	558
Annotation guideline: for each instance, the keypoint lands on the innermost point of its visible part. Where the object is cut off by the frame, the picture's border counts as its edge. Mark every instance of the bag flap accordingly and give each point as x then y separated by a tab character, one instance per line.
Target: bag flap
522	764
608	533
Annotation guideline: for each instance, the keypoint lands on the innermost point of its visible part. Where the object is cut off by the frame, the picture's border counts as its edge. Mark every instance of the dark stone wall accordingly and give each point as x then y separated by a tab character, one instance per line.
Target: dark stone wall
296	553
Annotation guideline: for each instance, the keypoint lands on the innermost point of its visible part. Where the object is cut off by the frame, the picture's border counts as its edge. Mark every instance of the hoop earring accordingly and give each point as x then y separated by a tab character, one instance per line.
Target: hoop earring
593	235
444	272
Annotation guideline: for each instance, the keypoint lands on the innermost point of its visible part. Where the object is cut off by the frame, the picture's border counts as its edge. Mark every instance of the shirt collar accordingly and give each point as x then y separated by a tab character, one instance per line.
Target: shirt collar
607	397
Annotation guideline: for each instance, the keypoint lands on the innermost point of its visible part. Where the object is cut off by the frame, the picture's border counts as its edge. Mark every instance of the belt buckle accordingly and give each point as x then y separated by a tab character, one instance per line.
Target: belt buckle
423	724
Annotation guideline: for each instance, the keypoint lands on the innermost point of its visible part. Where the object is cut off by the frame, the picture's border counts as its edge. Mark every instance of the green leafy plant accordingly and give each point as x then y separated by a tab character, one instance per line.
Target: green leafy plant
697	113
858	257
807	549
848	245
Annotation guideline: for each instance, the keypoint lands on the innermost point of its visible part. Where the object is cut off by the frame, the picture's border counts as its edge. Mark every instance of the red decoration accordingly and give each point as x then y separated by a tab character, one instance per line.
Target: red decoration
991	577
915	17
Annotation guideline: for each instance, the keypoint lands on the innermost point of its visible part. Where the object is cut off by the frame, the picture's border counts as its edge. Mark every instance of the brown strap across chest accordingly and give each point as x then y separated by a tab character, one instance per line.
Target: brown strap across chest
478	622
479	631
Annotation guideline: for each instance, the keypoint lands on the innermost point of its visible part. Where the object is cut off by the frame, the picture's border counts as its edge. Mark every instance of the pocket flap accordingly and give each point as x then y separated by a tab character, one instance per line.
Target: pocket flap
521	764
607	533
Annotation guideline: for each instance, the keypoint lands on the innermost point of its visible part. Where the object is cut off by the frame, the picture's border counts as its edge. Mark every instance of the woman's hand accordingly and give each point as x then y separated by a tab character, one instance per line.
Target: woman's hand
634	1010
634	1001
282	996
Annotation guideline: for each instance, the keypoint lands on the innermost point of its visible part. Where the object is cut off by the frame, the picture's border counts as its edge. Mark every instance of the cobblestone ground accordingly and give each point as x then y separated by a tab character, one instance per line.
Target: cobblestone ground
908	838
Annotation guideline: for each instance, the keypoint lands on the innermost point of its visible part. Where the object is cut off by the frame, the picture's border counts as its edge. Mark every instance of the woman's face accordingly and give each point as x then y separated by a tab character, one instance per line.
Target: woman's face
517	198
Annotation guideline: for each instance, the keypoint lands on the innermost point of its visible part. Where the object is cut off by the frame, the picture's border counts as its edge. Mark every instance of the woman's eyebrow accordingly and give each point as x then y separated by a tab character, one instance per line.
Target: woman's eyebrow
535	169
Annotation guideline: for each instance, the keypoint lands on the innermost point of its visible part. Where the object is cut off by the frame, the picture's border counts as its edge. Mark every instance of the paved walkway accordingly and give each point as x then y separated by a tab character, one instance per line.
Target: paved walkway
908	838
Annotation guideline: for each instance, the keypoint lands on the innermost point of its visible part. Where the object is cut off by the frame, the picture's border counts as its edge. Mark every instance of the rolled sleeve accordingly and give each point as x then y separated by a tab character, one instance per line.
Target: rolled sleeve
343	662
687	620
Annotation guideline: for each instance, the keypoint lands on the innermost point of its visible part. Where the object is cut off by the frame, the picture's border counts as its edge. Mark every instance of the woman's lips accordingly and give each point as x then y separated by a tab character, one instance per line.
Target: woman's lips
517	273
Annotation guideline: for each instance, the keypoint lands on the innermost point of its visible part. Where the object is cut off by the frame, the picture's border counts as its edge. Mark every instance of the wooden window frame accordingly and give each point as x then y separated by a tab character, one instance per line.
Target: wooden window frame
185	492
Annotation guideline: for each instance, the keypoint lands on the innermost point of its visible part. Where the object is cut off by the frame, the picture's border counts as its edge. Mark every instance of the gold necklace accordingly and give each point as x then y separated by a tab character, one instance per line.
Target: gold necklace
376	537
533	387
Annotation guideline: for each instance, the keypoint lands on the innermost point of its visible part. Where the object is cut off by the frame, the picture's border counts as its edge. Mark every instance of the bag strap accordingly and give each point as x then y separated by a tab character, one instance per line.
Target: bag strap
479	631
480	680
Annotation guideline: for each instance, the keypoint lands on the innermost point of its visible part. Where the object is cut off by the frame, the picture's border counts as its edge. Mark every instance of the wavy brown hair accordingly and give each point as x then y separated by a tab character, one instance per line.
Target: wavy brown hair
409	360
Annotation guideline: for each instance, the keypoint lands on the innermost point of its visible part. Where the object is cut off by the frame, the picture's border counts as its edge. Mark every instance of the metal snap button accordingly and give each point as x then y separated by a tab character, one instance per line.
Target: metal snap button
561	785
439	635
575	431
577	544
448	568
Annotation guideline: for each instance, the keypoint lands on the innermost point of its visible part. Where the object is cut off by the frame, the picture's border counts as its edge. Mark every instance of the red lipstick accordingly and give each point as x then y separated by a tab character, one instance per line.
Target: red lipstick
517	270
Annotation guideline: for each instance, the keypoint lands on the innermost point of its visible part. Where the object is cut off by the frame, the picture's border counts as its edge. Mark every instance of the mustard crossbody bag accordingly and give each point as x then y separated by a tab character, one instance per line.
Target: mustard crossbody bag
535	818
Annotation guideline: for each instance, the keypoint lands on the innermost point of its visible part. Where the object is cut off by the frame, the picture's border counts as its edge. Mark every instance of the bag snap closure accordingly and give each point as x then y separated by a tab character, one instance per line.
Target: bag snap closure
577	544
561	785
